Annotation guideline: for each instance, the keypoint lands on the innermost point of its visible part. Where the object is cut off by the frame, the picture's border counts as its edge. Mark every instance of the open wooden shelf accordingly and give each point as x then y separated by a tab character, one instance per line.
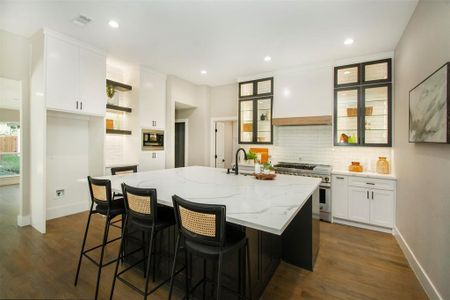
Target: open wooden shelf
118	131
118	108
118	86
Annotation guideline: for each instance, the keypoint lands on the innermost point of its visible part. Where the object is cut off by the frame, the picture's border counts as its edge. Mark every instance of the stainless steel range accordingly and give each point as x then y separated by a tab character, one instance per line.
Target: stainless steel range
312	170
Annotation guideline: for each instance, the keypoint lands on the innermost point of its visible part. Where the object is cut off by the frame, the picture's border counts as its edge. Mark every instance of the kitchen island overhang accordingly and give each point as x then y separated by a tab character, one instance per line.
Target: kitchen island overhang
280	217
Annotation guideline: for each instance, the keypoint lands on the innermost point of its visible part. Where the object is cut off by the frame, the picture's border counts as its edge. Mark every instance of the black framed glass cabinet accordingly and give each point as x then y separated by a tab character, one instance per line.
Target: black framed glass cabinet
255	111
363	104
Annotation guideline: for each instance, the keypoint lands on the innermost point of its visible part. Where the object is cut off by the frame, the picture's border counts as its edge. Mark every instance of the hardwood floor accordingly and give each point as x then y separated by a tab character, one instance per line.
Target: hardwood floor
352	264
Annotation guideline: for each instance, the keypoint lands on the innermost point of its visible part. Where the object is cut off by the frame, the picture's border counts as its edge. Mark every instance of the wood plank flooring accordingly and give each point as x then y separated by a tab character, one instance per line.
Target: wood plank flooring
352	264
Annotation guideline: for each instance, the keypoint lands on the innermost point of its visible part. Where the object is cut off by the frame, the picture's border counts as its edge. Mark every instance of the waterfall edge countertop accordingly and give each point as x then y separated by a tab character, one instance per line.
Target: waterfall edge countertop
266	205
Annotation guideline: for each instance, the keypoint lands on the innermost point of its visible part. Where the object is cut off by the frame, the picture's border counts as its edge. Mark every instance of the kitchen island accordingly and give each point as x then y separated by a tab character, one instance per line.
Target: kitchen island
280	217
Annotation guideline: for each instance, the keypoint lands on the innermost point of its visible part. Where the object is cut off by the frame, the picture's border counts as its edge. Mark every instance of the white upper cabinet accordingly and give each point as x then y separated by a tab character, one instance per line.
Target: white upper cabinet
303	92
62	80
92	82
75	77
152	100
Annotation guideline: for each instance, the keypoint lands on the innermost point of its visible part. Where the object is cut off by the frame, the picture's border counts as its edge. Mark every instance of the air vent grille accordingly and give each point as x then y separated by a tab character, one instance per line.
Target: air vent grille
81	20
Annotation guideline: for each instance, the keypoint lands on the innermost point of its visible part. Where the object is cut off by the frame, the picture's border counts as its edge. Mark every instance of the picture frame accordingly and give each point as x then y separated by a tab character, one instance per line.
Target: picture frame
429	108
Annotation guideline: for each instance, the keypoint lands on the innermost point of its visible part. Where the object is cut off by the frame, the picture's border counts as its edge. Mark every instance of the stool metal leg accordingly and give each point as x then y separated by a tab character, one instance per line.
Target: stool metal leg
219	275
121	251
147	271
144	252
204	279
172	277
105	239
187	280
84	243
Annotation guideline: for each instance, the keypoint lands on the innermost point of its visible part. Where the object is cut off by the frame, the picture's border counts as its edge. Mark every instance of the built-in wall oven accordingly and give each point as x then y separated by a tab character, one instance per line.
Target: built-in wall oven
152	140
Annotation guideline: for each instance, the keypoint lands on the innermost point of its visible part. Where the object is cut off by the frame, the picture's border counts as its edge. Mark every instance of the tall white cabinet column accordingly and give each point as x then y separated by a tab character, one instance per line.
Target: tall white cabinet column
68	104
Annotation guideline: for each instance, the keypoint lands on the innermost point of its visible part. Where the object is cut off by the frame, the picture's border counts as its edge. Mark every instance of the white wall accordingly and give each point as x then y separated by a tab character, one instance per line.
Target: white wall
15	64
423	189
67	162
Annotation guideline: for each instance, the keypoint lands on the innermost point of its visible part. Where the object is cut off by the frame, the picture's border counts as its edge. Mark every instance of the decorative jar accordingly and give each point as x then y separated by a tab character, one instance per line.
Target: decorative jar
355	167
382	165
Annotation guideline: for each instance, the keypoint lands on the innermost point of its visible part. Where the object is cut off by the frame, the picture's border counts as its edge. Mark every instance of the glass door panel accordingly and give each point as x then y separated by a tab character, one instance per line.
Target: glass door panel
246	121
246	89
347	108
376	121
264	87
264	116
347	75
376	71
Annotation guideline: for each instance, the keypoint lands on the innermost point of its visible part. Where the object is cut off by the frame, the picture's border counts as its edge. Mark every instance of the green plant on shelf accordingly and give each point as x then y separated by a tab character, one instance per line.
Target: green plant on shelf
251	156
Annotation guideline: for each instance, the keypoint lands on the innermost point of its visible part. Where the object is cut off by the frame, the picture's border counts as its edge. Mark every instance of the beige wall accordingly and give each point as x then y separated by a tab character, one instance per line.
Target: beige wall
423	194
197	97
15	64
224	101
9	115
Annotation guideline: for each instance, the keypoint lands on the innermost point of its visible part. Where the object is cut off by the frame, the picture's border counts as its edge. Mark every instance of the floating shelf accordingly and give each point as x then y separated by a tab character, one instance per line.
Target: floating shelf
118	108
118	86
118	131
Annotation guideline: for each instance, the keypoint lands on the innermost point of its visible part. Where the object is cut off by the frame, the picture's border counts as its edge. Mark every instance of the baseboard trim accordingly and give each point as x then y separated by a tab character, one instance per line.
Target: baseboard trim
66	210
23	220
421	275
361	225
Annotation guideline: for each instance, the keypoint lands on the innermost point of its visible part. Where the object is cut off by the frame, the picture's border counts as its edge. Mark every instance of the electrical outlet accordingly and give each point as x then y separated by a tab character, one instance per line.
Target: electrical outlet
60	193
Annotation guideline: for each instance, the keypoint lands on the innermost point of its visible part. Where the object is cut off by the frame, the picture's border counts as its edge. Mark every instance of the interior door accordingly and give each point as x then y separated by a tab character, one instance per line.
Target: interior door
220	145
180	129
359	204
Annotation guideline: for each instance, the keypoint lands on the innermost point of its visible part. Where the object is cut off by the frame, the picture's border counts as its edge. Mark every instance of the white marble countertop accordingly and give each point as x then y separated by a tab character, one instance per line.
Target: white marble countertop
266	205
365	174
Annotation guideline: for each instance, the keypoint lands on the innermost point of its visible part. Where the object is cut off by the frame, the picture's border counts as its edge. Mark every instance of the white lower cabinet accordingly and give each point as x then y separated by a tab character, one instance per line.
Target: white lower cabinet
358	205
363	200
382	208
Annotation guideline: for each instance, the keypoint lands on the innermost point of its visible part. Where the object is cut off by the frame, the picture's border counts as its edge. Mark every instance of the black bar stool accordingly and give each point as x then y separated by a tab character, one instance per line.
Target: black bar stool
144	214
203	227
122	171
100	190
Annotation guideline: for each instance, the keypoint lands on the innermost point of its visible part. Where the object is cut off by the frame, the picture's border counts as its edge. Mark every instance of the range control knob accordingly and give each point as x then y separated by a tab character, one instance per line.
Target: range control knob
326	179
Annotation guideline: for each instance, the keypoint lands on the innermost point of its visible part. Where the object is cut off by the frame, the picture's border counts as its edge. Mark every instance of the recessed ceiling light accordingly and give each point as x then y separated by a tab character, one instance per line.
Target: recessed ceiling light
286	92
348	41
113	24
203	72
267	58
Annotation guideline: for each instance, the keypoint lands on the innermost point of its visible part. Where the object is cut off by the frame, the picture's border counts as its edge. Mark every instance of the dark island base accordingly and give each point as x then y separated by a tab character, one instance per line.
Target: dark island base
298	245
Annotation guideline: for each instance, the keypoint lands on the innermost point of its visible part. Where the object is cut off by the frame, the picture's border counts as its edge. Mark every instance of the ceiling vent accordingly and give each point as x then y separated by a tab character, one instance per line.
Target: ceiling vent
81	20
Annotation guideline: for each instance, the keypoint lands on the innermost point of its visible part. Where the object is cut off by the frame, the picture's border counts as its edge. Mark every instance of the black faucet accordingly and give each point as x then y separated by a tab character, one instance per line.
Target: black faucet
236	168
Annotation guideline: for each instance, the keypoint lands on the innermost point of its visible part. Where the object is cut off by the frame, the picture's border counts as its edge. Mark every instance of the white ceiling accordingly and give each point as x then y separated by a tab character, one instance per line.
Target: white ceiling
227	38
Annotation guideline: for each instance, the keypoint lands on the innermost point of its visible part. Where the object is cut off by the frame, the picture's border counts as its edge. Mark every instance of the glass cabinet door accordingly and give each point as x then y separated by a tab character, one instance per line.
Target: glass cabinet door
379	71
264	120
246	89
346	116
264	87
348	75
376	114
246	121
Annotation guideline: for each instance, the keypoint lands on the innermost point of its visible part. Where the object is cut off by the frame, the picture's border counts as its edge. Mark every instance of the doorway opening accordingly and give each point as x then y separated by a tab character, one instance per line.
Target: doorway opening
10	150
181	143
224	142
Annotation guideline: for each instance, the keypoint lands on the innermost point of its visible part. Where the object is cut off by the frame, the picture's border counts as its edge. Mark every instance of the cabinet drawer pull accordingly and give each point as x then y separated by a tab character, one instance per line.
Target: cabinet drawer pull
77	104
81	105
367	194
372	195
370	183
339	177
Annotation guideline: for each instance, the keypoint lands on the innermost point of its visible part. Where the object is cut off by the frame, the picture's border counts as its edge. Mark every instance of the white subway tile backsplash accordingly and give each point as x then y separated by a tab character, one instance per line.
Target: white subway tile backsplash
314	144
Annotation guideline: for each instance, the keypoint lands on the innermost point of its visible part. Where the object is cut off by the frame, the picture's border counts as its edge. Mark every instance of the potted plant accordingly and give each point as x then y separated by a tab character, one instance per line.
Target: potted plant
251	158
268	168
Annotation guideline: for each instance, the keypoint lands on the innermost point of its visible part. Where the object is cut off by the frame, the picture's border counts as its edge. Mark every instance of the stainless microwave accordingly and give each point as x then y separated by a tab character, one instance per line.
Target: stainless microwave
152	140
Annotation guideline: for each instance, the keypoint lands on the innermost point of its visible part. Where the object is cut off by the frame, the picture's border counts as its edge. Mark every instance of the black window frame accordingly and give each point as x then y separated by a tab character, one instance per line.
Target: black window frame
361	86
